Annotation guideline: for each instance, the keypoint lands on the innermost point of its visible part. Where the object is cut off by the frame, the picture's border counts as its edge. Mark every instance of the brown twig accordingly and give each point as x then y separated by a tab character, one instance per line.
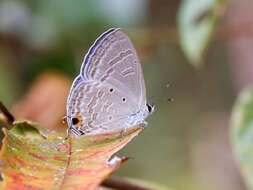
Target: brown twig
10	118
121	184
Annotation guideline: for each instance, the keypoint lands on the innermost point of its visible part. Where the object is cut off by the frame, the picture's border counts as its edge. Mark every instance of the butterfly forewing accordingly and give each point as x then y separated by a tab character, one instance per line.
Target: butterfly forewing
114	60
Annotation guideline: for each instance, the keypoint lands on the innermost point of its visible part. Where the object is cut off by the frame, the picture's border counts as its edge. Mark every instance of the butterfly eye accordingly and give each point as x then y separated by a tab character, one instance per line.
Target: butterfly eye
150	108
123	99
77	121
111	90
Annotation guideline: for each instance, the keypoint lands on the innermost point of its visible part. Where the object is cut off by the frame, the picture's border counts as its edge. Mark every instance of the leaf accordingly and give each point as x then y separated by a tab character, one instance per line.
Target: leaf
242	134
196	21
34	158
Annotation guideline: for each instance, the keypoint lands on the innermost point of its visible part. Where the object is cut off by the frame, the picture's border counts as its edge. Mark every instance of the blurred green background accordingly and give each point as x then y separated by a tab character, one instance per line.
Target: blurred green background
186	144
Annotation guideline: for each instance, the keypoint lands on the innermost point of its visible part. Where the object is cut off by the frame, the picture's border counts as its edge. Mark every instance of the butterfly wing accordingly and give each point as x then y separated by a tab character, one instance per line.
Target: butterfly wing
110	86
100	109
113	59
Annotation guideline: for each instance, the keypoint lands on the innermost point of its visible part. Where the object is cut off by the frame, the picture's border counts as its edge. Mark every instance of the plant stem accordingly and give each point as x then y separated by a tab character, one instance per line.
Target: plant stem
10	118
121	184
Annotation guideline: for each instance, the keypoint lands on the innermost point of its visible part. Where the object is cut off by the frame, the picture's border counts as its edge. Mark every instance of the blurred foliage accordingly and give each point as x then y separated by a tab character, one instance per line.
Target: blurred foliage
148	184
242	133
8	89
197	20
38	36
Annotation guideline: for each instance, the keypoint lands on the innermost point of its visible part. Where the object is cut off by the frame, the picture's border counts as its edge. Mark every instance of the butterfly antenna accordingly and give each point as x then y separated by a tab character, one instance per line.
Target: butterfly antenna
154	100
169	100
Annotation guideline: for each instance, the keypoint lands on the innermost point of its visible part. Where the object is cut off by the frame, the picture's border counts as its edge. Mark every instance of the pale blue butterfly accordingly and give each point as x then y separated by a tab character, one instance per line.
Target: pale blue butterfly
109	93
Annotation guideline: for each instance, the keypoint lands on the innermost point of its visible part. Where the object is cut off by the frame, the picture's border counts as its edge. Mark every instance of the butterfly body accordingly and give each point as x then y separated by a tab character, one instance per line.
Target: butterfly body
109	93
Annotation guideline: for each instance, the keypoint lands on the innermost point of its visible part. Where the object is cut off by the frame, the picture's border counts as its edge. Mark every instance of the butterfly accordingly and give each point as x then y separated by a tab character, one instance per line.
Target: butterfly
109	94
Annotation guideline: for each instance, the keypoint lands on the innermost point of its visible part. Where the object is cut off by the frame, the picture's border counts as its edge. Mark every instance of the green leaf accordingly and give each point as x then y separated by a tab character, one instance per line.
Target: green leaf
242	134
196	21
35	158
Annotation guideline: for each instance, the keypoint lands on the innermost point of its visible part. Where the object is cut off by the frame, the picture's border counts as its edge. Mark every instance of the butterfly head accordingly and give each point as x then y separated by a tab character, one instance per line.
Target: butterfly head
150	108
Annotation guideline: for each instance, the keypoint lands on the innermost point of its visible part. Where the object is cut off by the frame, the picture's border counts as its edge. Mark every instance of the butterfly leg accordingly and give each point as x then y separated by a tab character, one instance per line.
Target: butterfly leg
67	133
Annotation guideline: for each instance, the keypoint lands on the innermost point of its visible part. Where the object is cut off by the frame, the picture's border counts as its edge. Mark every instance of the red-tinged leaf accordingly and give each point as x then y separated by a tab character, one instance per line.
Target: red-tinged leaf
34	158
